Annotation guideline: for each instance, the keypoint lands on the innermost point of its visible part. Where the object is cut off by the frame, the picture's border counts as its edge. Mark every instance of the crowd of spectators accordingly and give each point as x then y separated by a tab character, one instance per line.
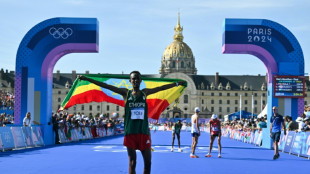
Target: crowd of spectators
6	119
6	100
66	121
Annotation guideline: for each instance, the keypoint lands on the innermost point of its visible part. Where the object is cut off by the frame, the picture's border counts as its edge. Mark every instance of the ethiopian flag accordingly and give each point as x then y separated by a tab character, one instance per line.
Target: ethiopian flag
86	92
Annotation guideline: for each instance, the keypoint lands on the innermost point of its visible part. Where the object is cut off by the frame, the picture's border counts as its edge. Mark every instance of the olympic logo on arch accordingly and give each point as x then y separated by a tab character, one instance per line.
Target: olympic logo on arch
60	32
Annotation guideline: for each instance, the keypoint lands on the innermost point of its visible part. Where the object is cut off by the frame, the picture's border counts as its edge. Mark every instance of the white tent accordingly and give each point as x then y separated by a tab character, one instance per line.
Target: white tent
264	112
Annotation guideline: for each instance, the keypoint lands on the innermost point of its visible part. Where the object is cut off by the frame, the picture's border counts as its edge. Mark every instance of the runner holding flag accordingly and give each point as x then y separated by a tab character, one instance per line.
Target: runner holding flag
136	126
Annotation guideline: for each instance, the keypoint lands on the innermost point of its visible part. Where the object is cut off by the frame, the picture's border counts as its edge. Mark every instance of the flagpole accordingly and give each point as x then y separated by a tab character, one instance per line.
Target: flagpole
261	103
240	106
252	105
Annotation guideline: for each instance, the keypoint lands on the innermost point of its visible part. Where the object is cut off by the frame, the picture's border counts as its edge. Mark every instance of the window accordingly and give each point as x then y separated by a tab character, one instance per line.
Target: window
228	94
220	94
82	107
305	103
228	101
98	107
255	94
173	64
212	101
246	109
59	92
220	109
228	109
108	107
236	102
202	102
185	98
182	64
67	92
74	108
305	94
212	109
245	102
264	94
202	94
255	110
236	109
90	107
246	94
220	101
117	108
236	94
212	94
263	102
255	102
59	99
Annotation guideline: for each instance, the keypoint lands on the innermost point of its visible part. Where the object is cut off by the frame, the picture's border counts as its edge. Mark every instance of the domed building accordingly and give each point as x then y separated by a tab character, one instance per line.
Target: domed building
178	56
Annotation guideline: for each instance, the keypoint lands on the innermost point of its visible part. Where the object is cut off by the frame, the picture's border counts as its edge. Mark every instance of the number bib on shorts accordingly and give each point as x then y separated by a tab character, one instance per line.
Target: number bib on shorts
137	113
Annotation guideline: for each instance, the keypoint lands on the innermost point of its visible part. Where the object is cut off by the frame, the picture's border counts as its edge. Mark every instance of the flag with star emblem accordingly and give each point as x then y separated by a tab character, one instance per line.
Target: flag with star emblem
86	92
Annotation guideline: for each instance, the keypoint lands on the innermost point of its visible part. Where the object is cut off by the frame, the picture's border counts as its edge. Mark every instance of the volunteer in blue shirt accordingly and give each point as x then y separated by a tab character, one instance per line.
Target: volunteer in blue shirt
277	122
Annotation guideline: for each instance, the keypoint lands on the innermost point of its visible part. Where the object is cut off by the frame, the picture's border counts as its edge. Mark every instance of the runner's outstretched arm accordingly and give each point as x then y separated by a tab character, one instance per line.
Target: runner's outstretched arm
121	91
149	91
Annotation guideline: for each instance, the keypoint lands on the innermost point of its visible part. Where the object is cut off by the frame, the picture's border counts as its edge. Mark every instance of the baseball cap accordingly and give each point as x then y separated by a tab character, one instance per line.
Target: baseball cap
214	116
197	109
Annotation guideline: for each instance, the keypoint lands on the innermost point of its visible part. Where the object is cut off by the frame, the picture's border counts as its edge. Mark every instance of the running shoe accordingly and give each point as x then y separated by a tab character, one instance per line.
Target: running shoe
180	150
208	155
171	149
194	156
152	149
219	156
274	157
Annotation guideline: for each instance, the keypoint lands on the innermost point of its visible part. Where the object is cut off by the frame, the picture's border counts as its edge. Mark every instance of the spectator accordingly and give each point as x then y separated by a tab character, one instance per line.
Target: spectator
306	126
27	120
261	124
292	125
55	127
300	121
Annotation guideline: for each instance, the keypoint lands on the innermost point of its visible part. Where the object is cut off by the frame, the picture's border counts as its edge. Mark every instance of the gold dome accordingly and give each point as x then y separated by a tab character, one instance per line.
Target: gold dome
178	50
178	56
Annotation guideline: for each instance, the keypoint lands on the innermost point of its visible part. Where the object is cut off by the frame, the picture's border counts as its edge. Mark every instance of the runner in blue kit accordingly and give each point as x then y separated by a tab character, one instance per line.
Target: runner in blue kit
276	123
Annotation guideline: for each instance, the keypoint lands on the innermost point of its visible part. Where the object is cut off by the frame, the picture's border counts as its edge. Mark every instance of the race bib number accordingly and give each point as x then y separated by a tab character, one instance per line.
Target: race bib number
137	113
215	129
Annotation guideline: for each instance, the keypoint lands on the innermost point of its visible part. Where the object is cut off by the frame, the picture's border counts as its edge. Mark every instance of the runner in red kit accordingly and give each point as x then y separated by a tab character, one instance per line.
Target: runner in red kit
215	131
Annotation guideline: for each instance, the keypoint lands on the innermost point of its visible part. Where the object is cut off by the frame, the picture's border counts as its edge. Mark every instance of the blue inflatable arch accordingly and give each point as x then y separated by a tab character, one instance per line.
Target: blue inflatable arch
37	55
280	52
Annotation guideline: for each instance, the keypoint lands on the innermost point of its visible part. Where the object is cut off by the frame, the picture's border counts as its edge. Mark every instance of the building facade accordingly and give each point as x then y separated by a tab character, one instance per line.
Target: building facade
220	94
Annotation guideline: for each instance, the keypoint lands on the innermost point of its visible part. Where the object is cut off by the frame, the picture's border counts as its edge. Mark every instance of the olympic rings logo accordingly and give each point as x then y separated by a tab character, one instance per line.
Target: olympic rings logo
60	32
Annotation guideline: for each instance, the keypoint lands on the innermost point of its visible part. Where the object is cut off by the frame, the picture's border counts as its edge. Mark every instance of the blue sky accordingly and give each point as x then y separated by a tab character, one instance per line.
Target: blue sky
134	34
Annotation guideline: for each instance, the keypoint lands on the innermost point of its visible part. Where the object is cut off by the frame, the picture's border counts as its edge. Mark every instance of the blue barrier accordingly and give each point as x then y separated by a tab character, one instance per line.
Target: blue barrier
7	138
297	143
16	137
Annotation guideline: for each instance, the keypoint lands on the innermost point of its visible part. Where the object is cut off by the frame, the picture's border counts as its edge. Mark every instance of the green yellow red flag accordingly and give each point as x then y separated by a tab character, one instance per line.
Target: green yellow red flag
86	92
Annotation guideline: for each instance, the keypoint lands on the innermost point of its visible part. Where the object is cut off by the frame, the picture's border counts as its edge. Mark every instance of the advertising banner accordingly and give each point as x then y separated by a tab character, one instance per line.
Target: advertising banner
259	138
300	138
289	141
28	136
37	136
1	145
7	138
18	137
62	136
282	141
305	149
